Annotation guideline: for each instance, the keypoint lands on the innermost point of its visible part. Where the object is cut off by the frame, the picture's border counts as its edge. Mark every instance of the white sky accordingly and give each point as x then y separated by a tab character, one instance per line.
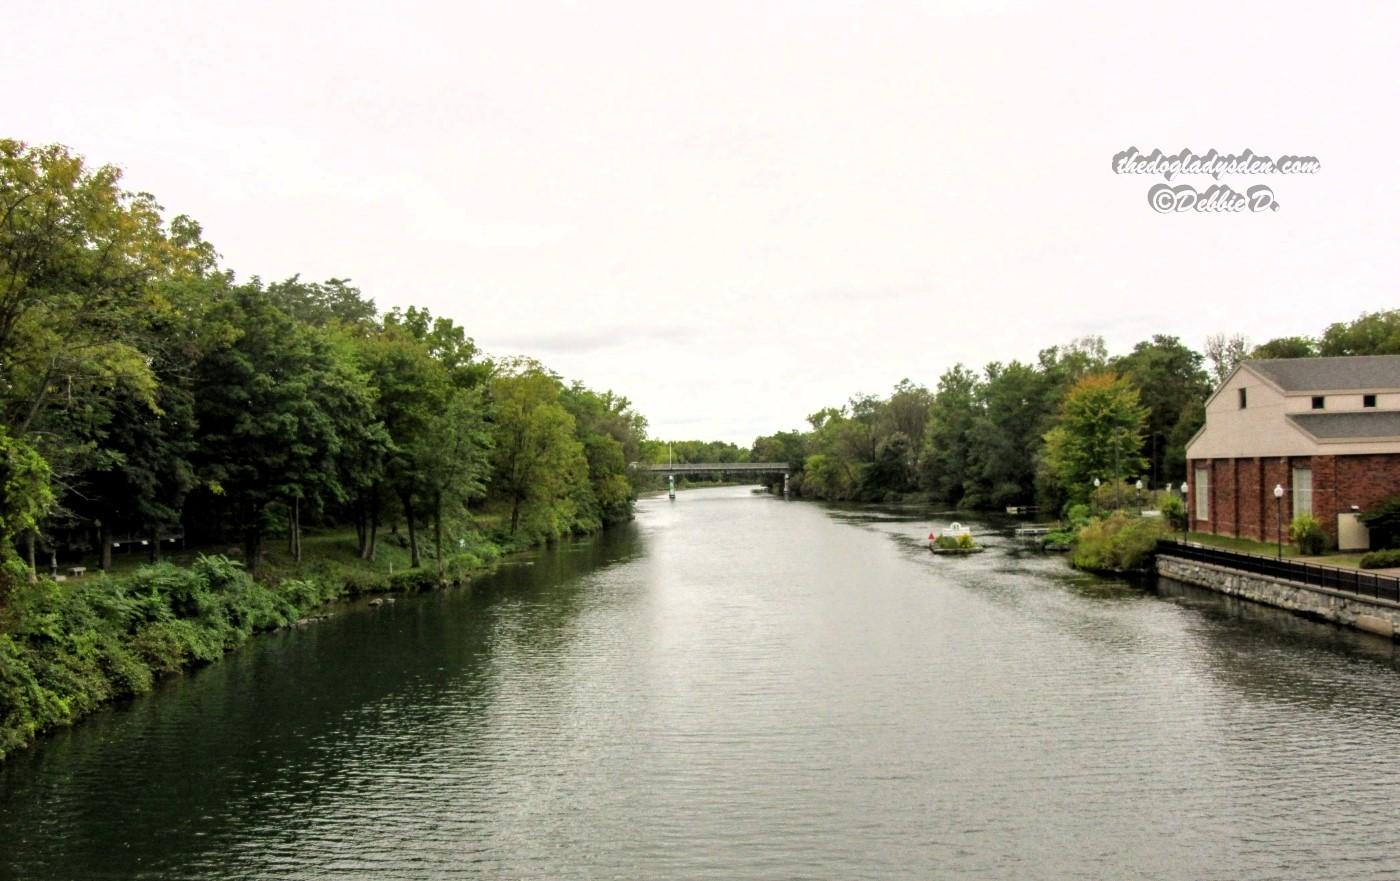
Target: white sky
736	214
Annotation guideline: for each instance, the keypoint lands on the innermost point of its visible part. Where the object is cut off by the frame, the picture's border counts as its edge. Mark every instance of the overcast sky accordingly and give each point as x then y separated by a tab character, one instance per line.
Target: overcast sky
736	214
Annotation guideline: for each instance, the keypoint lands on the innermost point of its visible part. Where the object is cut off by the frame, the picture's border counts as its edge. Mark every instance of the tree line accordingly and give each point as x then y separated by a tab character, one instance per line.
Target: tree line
146	394
1039	432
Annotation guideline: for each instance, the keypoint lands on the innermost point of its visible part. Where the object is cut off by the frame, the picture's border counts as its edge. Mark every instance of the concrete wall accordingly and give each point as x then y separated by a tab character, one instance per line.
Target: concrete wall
1381	617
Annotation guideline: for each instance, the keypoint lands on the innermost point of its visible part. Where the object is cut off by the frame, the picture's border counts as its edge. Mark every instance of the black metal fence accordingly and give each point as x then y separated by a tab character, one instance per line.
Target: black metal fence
1366	584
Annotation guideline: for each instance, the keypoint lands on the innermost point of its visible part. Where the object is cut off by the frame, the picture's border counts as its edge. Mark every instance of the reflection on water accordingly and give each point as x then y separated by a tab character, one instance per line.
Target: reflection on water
739	687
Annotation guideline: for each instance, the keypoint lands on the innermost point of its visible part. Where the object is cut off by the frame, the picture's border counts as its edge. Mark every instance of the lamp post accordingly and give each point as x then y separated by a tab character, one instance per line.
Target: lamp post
1094	502
1186	512
1139	496
1278	506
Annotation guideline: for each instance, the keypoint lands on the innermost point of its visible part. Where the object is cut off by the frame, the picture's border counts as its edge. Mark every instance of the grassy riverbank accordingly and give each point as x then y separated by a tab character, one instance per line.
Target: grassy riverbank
67	648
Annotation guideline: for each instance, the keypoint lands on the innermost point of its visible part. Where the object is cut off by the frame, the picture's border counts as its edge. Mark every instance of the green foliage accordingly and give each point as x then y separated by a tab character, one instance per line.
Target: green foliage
1170	379
1118	543
1307	534
955	542
1286	347
1077	516
1384	523
1173	510
25	497
1098	434
1373	333
540	466
1385	559
1113	495
67	648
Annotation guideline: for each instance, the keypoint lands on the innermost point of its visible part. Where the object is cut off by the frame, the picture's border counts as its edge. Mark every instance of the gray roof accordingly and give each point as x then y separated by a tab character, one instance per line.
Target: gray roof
1349	373
1351	424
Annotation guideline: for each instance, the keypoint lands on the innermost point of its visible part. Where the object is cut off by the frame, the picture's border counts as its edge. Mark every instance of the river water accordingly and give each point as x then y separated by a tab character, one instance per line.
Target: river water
738	687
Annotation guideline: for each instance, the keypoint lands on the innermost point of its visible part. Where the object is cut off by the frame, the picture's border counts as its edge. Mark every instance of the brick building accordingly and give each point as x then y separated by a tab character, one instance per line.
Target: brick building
1325	429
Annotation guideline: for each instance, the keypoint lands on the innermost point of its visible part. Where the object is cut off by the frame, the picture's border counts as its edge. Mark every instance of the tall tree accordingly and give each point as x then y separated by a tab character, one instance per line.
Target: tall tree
76	256
271	399
1286	347
947	452
1099	435
1224	354
539	462
1169	377
1373	333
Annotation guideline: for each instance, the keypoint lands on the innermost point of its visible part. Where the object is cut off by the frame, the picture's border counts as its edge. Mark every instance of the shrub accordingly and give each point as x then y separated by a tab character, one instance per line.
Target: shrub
1117	543
1113	496
1078	516
1307	534
1384	523
1381	559
1173	510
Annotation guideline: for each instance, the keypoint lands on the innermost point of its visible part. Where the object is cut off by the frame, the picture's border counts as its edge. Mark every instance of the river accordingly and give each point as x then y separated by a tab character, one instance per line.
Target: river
739	687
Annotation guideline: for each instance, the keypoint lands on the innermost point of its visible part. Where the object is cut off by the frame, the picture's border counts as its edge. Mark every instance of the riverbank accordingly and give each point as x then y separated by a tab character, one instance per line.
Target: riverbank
68	648
1375	615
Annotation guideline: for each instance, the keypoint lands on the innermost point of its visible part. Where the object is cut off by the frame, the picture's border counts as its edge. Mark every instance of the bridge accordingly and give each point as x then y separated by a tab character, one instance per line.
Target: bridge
675	468
717	468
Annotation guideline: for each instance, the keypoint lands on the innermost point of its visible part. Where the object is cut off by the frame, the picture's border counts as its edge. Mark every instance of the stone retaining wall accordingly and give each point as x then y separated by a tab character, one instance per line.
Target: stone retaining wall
1377	616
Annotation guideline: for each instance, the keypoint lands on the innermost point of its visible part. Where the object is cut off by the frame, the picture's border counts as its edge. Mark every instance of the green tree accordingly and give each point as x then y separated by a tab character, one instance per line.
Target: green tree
1099	435
25	498
538	460
1373	333
452	457
947	451
1006	436
1170	378
412	390
1286	347
272	398
77	254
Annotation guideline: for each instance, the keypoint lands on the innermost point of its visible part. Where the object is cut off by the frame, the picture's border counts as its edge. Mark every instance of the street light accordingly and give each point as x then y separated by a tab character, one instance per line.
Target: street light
1186	512
1139	495
1278	505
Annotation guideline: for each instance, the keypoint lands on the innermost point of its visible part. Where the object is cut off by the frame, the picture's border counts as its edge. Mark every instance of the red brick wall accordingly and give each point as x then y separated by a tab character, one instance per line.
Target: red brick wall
1222	508
1242	491
1247	478
1324	477
1275	471
1365	481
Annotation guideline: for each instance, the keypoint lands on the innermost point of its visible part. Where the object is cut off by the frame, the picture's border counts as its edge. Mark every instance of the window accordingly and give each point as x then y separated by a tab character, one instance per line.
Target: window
1244	397
1368	400
1302	491
1319	402
1202	493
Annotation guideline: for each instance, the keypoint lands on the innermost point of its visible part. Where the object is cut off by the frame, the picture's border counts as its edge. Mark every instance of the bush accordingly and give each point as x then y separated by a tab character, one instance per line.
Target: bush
1078	516
1384	523
1386	559
1117	543
1173	510
1307	534
1114	496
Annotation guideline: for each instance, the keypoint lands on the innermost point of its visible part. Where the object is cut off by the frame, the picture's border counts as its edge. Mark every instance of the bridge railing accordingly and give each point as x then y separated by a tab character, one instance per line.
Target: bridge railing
715	467
1354	581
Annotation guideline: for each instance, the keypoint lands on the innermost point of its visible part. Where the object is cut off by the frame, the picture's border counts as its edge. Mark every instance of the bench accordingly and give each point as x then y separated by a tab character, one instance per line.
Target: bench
77	571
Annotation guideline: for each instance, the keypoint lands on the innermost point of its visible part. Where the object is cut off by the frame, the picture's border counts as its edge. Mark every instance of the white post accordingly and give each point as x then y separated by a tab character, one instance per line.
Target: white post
785	484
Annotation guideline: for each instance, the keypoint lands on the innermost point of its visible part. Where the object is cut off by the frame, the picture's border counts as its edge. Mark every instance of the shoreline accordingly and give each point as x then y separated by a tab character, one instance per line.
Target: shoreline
136	659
